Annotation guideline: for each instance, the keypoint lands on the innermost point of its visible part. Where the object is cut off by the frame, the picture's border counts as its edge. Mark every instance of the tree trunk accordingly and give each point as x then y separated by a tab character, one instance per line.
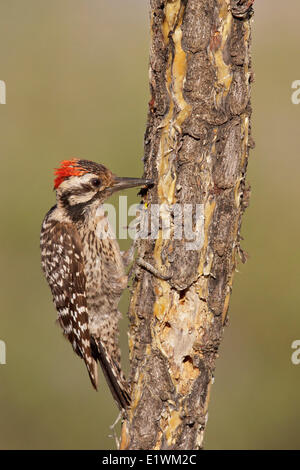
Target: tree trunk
196	149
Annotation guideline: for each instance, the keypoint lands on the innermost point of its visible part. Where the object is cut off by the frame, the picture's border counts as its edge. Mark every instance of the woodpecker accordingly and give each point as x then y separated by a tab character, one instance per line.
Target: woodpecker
85	268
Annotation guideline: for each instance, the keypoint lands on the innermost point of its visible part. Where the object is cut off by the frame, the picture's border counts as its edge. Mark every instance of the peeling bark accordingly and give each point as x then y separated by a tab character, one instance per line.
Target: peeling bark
196	148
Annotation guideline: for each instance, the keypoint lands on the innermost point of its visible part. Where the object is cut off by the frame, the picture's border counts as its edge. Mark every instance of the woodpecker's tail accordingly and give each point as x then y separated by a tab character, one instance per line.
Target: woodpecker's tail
114	377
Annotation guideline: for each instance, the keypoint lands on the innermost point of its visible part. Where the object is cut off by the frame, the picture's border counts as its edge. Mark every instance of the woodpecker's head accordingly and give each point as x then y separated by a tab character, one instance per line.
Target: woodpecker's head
79	184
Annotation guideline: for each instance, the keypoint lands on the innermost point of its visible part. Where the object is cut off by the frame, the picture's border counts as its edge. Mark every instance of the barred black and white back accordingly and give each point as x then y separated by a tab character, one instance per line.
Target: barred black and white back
62	265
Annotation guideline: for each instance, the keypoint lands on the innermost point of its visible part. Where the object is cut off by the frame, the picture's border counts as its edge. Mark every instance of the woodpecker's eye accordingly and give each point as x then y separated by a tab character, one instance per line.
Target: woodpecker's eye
96	182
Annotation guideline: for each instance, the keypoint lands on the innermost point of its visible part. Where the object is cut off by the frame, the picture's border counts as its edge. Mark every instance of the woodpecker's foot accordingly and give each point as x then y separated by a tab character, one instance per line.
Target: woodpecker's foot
148	267
128	255
112	427
128	258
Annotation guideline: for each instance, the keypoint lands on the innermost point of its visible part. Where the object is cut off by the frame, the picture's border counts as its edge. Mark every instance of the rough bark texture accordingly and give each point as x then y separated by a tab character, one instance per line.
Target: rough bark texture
196	149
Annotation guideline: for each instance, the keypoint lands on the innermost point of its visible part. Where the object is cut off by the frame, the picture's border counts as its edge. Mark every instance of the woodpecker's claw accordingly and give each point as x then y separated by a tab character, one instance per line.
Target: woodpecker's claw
148	267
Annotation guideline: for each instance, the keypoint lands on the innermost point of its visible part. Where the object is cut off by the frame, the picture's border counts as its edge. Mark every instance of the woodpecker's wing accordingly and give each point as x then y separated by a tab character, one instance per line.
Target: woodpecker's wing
63	266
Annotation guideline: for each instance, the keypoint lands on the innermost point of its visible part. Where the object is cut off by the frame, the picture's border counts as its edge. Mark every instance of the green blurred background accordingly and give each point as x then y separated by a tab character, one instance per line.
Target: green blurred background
76	73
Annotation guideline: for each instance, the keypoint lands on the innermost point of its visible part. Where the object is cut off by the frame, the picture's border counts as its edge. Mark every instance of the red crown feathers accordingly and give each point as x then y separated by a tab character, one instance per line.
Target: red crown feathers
67	168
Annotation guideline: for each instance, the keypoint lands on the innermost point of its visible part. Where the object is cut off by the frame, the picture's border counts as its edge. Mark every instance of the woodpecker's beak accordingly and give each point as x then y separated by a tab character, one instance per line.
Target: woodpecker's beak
125	183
